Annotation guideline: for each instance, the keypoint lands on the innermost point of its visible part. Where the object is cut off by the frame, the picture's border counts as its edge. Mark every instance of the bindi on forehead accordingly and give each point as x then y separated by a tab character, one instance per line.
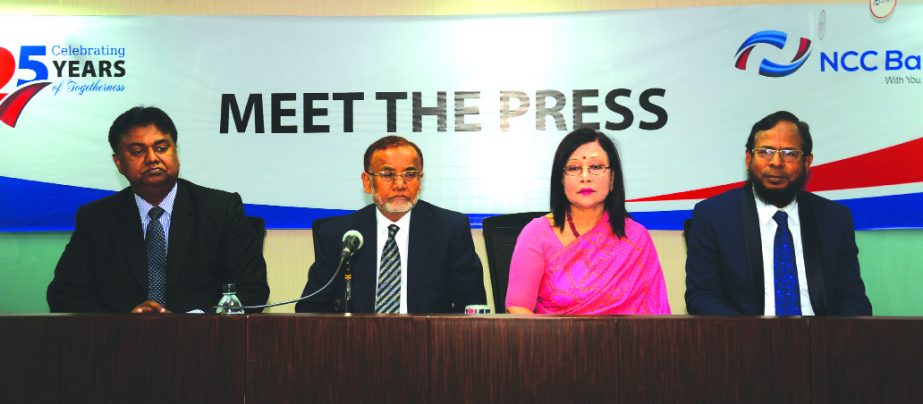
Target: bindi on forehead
584	157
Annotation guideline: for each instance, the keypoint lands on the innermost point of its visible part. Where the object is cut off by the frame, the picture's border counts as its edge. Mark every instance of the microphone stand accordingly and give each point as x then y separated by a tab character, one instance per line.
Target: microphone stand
344	264
348	276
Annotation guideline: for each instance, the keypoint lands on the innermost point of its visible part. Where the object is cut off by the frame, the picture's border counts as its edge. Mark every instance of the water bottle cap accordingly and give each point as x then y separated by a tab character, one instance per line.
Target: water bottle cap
229	288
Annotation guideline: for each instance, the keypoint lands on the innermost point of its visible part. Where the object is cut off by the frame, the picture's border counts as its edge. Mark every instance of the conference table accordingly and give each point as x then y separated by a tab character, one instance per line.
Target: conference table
301	358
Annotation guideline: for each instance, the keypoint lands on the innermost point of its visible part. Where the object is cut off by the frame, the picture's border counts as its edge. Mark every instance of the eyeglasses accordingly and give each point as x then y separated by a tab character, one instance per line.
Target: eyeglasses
575	170
788	155
391	176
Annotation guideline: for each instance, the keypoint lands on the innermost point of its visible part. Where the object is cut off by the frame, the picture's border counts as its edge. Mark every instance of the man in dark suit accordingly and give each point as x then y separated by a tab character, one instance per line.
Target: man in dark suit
416	258
163	244
771	248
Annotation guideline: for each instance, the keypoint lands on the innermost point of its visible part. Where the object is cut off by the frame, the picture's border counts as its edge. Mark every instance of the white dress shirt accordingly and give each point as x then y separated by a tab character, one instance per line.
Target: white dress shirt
768	228
402	238
167	205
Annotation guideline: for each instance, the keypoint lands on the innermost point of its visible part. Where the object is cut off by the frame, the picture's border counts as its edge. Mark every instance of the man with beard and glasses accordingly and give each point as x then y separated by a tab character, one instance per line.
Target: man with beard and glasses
416	258
770	247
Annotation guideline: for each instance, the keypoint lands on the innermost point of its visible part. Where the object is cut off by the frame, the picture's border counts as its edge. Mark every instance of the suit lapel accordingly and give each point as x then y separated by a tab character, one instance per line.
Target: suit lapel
182	223
418	254
365	265
753	243
810	248
132	237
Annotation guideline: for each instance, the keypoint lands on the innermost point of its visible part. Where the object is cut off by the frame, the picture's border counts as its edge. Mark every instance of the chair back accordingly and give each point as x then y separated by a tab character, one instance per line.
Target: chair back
500	233
687	226
318	222
259	226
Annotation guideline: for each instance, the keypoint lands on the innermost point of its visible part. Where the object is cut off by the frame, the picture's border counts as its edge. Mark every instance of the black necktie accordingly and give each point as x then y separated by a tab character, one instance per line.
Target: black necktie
156	258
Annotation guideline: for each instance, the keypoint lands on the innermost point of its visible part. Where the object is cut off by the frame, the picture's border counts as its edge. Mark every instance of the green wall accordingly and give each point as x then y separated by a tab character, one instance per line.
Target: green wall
892	267
27	263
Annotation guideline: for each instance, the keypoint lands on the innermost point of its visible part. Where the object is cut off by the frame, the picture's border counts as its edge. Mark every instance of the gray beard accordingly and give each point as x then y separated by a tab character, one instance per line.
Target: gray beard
777	197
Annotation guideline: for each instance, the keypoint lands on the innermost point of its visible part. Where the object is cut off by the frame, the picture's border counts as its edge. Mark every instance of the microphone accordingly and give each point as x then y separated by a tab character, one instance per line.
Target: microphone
352	242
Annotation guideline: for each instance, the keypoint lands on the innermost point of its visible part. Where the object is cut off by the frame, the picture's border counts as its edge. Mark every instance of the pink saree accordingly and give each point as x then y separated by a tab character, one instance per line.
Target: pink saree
596	274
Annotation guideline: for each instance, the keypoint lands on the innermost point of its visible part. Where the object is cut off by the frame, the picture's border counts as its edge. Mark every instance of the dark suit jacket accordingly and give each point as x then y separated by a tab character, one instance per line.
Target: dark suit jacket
104	266
724	261
443	272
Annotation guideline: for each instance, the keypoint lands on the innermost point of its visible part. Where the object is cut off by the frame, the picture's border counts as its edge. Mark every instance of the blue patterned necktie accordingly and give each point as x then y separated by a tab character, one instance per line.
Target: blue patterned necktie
388	296
156	258
788	294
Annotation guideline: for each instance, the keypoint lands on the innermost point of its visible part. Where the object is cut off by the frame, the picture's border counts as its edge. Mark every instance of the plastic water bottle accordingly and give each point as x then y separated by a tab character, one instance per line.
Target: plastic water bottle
229	303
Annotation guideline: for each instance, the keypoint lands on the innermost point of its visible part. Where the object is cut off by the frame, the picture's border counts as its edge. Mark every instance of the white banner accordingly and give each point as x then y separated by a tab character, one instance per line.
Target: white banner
281	109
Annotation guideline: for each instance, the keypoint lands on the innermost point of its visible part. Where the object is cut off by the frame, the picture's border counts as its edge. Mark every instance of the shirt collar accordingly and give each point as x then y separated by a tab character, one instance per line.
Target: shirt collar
765	211
383	222
166	204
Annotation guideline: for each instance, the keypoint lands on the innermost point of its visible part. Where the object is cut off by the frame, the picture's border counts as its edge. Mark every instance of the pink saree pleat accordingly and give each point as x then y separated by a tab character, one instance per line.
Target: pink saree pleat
601	274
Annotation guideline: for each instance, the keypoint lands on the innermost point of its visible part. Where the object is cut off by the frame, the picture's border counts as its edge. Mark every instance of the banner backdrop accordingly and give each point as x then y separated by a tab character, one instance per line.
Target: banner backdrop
281	109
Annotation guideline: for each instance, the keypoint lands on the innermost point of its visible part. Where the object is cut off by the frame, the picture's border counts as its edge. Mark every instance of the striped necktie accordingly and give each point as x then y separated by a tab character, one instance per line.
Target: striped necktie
388	297
788	294
156	258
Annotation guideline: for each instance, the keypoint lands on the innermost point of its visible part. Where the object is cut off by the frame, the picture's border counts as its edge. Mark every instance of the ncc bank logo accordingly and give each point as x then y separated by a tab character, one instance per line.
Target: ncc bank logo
777	39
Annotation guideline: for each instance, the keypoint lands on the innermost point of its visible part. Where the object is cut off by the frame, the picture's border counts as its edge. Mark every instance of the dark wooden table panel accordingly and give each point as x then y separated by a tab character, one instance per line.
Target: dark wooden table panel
153	359
524	359
445	359
867	361
335	358
713	360
30	348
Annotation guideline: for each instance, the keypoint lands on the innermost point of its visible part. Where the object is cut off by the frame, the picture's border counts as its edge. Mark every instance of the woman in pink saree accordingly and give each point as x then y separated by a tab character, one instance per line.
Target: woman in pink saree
587	256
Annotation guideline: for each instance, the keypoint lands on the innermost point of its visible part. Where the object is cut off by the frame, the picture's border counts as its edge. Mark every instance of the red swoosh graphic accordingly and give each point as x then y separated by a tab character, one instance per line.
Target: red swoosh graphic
802	48
898	164
12	105
742	59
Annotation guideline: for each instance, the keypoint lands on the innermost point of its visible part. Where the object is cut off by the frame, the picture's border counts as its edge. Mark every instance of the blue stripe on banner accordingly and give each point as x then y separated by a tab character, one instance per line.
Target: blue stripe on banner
29	206
666	220
33	206
285	217
903	211
476	218
41	206
887	212
876	213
